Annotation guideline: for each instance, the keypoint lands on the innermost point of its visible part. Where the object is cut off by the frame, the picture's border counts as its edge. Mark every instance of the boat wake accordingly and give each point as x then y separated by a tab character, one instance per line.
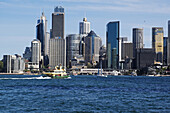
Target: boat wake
41	77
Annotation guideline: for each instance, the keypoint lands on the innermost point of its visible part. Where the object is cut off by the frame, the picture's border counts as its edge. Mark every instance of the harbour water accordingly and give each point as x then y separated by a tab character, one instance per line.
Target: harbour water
28	93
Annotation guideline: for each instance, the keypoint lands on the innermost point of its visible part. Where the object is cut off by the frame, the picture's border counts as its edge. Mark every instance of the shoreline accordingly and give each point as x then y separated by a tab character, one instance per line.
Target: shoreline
73	75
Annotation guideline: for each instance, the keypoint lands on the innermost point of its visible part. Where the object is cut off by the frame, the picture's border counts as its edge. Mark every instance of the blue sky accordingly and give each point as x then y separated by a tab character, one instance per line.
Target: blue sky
18	18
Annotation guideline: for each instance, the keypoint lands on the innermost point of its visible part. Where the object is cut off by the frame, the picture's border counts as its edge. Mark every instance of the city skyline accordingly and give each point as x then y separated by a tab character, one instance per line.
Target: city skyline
18	19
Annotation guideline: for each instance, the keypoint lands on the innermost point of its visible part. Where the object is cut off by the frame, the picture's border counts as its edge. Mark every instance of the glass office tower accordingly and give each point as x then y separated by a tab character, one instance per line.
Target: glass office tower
112	40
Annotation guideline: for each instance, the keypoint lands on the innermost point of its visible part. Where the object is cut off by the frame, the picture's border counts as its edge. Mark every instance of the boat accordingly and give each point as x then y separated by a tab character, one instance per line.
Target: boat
134	73
59	73
101	74
115	73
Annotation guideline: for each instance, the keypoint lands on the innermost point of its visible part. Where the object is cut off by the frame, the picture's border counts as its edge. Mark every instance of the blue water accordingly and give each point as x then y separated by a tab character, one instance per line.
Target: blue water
20	93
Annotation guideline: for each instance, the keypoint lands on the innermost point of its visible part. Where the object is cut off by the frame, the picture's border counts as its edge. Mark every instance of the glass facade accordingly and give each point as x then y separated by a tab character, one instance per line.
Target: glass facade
59	9
165	50
72	46
92	47
41	29
157	43
112	44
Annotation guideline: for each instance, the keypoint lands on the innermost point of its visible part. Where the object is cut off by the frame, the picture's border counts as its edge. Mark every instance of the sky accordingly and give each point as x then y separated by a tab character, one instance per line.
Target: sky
18	19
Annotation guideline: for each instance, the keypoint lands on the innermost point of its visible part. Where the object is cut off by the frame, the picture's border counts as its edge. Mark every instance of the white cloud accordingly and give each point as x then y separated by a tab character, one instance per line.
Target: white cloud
125	7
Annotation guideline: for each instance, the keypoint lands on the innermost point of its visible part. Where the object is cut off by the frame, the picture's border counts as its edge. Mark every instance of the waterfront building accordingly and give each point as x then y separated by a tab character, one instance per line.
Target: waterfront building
165	50
36	52
145	57
137	43
27	54
46	52
57	53
84	27
17	64
13	64
127	50
168	53
41	30
157	43
102	57
7	63
77	62
92	47
137	39
72	47
58	22
112	44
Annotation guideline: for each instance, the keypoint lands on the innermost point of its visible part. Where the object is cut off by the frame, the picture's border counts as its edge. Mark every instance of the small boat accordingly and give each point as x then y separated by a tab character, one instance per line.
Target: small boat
59	72
150	75
115	73
134	73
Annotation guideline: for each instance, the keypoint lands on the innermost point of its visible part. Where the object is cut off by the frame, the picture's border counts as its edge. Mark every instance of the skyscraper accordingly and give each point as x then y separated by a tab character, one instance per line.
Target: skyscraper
27	53
57	53
46	52
41	33
112	44
7	63
84	27
157	43
165	50
137	39
58	22
137	43
13	64
92	47
57	49
72	46
168	53
36	51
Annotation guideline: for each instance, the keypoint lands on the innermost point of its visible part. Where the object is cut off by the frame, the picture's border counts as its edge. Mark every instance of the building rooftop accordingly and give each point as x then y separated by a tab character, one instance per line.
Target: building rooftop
92	33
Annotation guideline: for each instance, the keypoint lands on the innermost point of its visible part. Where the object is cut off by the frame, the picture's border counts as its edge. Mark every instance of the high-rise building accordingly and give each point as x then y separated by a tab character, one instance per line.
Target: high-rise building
84	27
102	57
157	43
57	46
125	53
58	22
127	50
46	52
92	47
72	47
7	63
36	51
168	53
41	33
27	53
57	53
112	44
144	57
137	39
18	64
13	64
165	47
137	43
